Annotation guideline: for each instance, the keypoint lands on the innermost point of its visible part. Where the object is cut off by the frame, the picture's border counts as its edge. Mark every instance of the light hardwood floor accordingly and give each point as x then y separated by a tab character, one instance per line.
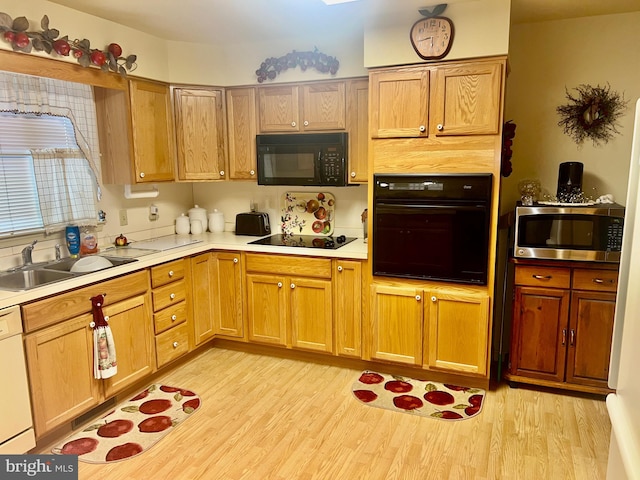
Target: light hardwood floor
272	418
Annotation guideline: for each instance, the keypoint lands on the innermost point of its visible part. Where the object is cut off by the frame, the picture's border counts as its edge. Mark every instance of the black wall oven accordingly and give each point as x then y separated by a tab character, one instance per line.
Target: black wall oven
433	227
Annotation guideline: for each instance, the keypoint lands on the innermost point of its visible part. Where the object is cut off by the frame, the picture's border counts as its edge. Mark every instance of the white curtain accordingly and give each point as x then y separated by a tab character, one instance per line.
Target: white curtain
66	188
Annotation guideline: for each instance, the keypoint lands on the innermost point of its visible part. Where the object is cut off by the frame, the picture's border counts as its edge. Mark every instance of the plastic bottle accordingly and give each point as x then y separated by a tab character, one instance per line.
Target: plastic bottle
72	235
89	242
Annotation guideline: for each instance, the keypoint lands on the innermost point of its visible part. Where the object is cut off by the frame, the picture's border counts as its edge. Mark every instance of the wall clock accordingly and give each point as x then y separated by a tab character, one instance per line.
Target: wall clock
432	37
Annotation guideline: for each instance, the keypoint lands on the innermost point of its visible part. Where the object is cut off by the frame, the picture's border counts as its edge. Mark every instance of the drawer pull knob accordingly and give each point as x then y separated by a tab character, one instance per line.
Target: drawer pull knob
433	299
175	344
174	318
279	284
171	273
293	285
222	173
235	260
252	172
440	127
339	268
172	296
293	124
598	280
422	128
542	277
418	298
306	123
353	174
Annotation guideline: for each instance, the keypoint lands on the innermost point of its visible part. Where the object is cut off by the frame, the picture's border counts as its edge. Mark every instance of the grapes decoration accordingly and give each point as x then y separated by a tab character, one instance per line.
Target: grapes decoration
15	32
272	66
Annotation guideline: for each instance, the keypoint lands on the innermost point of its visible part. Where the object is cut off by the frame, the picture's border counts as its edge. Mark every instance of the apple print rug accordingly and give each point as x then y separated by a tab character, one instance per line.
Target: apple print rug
133	426
419	397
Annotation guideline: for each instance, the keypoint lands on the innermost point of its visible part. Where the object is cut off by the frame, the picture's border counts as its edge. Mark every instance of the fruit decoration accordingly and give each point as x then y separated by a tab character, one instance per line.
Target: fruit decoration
592	113
272	66
16	32
121	241
508	134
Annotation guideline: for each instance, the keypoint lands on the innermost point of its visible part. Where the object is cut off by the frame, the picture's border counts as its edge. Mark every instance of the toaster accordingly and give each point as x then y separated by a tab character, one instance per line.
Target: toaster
253	223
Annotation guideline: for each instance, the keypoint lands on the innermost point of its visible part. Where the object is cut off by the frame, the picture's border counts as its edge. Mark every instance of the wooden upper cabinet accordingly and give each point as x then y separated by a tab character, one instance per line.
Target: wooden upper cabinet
467	99
200	133
358	128
302	108
152	129
242	126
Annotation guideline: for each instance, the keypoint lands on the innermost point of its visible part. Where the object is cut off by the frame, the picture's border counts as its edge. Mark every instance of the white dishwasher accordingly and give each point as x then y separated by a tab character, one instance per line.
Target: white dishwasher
16	425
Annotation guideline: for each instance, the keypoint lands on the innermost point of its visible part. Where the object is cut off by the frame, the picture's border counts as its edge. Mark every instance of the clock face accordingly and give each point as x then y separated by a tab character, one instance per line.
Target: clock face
432	37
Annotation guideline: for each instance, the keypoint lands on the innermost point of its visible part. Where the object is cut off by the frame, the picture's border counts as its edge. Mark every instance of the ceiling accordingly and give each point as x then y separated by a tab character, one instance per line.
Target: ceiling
220	21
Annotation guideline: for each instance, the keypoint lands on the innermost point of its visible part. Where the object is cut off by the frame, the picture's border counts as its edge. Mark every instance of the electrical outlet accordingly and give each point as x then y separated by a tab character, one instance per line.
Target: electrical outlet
123	218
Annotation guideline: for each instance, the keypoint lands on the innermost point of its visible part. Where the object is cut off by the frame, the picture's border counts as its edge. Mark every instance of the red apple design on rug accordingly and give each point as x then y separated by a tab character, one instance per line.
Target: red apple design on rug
152	407
448	415
476	403
439	397
407	402
190	405
183	392
80	446
398	386
140	396
456	388
115	428
371	378
125	450
365	396
155	424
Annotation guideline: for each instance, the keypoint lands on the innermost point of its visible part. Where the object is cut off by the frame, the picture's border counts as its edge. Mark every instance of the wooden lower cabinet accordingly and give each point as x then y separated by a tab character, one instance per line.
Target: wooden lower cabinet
563	326
226	284
347	307
267	309
202	297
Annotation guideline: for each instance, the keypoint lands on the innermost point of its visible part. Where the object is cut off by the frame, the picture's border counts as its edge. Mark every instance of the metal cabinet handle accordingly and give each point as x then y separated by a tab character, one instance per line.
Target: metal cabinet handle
172	296
597	280
175	344
572	337
564	336
433	299
293	285
339	268
542	277
252	172
440	127
171	274
422	128
141	174
293	124
306	123
174	318
279	284
418	298
353	174
235	260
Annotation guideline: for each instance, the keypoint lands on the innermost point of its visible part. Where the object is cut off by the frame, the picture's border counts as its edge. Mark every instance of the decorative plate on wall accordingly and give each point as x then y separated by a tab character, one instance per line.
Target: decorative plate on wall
307	213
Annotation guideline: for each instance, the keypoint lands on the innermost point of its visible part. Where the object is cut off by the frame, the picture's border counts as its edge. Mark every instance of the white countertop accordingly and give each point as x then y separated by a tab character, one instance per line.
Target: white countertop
209	241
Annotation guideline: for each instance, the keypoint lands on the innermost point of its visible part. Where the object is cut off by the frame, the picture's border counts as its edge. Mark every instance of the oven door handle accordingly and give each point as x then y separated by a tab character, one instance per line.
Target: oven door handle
410	208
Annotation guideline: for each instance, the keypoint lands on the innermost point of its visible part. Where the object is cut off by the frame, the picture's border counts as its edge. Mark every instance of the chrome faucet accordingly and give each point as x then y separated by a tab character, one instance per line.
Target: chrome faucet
58	254
26	253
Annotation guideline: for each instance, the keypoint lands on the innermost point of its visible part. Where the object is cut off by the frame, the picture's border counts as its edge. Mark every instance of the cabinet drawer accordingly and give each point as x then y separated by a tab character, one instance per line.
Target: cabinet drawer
594	279
167	272
534	276
170	317
285	265
171	294
172	344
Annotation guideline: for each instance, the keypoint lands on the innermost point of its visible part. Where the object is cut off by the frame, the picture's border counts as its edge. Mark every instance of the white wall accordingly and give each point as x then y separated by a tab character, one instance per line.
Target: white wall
545	58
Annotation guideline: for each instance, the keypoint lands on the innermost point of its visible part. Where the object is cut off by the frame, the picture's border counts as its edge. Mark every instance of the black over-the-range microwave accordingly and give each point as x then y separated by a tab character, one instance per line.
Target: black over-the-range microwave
585	233
302	159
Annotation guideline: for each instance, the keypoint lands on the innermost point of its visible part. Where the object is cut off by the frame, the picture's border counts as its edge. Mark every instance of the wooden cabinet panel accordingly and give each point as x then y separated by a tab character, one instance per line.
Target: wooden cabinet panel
226	278
399	103
458	331
170	294
323	106
467	99
267	305
542	276
167	273
358	115
242	127
200	133
311	314
348	307
172	344
595	279
288	265
152	128
170	317
279	109
397	318
202	297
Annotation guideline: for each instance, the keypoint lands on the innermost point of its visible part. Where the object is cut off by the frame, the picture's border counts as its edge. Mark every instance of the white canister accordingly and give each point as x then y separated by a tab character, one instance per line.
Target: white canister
197	213
196	227
216	221
182	225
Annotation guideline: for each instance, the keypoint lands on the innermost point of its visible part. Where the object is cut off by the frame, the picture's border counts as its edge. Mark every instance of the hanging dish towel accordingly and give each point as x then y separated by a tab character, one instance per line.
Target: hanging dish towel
104	348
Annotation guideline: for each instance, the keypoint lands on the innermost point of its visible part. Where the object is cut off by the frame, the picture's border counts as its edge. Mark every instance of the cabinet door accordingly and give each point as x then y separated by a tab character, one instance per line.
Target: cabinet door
311	310
347	292
324	106
358	112
458	331
241	125
226	277
399	103
202	297
278	109
200	133
152	131
539	333
267	308
132	330
467	99
590	333
397	318
60	362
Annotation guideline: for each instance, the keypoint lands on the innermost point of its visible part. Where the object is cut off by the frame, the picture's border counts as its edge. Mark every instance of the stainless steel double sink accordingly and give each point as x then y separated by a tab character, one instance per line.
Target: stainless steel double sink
39	274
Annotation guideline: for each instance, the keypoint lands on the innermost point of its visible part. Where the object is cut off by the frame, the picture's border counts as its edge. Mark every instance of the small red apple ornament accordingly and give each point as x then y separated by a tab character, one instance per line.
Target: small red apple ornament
115	49
121	240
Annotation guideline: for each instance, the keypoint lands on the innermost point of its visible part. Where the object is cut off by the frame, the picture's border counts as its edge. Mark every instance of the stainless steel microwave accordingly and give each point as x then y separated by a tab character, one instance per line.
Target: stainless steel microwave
586	233
302	159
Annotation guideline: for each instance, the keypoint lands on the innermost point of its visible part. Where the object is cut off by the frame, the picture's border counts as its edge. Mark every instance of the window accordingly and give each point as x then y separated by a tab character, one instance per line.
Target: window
42	174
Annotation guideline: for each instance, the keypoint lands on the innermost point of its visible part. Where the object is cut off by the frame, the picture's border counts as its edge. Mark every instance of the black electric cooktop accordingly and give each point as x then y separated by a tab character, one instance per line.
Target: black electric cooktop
306	241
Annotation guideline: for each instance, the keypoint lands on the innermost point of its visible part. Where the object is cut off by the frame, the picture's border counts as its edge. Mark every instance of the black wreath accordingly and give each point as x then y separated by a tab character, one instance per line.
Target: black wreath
592	113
